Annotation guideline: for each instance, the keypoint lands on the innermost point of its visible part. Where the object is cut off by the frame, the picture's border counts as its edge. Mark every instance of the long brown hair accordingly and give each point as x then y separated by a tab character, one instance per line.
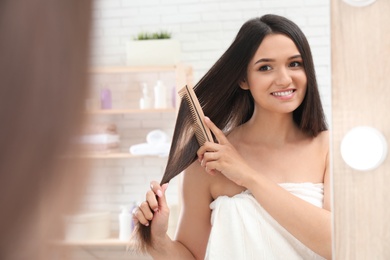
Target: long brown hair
229	106
44	48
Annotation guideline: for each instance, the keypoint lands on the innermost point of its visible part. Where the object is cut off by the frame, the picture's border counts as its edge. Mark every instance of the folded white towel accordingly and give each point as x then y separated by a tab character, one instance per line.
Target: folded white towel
161	149
99	139
157	143
156	137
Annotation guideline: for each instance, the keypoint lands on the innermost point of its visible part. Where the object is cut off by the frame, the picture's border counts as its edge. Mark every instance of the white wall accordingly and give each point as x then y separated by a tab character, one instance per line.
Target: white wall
205	29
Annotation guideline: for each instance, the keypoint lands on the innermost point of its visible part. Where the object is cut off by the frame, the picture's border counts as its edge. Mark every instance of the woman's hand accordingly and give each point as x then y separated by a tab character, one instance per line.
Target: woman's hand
222	157
154	208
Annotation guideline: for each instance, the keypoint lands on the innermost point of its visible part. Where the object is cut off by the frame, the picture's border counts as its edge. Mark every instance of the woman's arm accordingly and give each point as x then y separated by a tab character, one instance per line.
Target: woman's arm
308	223
194	224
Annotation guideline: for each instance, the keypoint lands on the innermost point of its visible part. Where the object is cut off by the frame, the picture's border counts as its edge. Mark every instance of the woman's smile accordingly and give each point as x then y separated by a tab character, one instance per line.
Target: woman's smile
284	94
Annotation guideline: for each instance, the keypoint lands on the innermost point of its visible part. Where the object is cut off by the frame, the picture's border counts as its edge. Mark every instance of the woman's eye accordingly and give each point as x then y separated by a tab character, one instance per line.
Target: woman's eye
265	68
295	64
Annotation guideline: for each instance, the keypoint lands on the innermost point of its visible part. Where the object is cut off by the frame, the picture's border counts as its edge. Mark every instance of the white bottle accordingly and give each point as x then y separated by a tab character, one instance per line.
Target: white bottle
125	224
160	95
146	101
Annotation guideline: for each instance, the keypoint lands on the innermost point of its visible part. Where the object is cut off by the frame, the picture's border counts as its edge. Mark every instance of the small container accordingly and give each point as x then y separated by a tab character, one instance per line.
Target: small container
125	224
105	99
146	101
160	95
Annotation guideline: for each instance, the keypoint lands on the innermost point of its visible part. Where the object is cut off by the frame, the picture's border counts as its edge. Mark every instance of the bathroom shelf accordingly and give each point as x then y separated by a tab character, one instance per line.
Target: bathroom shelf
118	155
97	242
131	111
183	76
127	69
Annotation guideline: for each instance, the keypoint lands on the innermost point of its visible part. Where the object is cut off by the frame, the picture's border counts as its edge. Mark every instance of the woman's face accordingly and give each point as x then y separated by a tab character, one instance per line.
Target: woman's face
275	75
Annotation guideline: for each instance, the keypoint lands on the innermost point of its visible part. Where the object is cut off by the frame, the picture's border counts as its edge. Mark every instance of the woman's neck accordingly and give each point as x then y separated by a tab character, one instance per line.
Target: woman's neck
273	129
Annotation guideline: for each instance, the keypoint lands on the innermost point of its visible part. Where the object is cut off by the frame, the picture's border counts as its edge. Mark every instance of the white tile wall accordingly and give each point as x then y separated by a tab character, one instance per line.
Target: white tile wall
205	29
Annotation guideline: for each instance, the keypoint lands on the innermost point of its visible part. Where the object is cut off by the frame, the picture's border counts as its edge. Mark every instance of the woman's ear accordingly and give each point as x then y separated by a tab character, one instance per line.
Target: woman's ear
244	84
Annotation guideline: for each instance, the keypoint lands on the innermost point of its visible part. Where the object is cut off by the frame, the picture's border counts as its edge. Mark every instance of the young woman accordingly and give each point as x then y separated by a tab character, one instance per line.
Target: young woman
261	191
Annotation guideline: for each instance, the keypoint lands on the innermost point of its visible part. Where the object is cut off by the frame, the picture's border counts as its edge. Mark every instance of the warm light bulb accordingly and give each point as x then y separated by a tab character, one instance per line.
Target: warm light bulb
359	2
364	148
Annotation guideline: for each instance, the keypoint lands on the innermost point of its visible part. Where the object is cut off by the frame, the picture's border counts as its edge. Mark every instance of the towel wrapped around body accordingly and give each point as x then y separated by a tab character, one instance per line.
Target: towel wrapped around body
242	229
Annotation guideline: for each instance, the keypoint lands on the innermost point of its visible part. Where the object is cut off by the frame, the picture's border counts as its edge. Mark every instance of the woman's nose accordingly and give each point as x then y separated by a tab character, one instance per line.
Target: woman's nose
283	78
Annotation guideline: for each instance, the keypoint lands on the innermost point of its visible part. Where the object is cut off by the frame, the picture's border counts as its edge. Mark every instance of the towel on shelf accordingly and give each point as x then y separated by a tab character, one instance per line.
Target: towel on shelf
100	128
157	143
150	149
100	148
101	138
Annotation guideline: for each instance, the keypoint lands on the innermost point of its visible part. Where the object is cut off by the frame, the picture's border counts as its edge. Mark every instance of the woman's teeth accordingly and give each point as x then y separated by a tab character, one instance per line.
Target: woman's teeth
282	93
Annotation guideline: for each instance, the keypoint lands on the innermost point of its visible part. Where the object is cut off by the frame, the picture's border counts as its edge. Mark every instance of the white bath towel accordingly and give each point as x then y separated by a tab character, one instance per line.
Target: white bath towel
242	229
150	149
157	143
100	139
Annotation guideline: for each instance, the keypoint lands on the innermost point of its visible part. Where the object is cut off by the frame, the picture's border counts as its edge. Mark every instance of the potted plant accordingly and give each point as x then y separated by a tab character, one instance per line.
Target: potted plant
153	49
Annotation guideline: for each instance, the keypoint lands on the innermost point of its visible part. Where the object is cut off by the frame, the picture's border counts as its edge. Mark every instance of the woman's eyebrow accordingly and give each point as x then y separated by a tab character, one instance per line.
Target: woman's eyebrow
265	60
295	57
272	60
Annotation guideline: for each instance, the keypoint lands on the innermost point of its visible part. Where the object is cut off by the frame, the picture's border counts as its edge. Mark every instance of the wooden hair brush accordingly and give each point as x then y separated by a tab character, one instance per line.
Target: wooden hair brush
202	132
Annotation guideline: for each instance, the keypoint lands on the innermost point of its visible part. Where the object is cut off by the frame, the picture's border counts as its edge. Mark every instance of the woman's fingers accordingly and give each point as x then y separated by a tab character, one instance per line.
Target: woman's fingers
210	146
208	157
139	214
221	138
145	210
152	200
156	188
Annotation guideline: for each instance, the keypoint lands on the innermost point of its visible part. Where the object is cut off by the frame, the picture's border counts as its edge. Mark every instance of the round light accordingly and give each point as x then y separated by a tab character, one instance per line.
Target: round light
359	2
364	148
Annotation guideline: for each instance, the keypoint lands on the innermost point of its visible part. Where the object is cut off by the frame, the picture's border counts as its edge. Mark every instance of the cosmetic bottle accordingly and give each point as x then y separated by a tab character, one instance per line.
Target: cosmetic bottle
173	97
125	224
135	205
146	101
160	95
105	99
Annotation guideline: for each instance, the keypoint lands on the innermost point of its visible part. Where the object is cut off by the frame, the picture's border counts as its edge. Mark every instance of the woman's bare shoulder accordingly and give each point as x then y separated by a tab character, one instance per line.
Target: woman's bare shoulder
323	139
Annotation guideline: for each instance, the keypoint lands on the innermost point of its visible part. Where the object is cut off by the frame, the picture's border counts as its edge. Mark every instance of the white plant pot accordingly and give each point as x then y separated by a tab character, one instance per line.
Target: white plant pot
162	52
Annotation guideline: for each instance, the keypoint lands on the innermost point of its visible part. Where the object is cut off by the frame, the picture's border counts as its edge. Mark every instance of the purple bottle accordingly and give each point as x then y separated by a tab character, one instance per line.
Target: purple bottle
105	99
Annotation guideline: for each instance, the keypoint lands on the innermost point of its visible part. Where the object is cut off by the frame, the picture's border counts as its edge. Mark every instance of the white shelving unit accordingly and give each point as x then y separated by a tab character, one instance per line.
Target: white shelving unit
183	76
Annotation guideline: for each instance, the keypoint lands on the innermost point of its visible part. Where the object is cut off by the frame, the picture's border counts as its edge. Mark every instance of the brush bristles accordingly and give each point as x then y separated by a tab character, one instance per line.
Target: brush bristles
202	132
200	136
